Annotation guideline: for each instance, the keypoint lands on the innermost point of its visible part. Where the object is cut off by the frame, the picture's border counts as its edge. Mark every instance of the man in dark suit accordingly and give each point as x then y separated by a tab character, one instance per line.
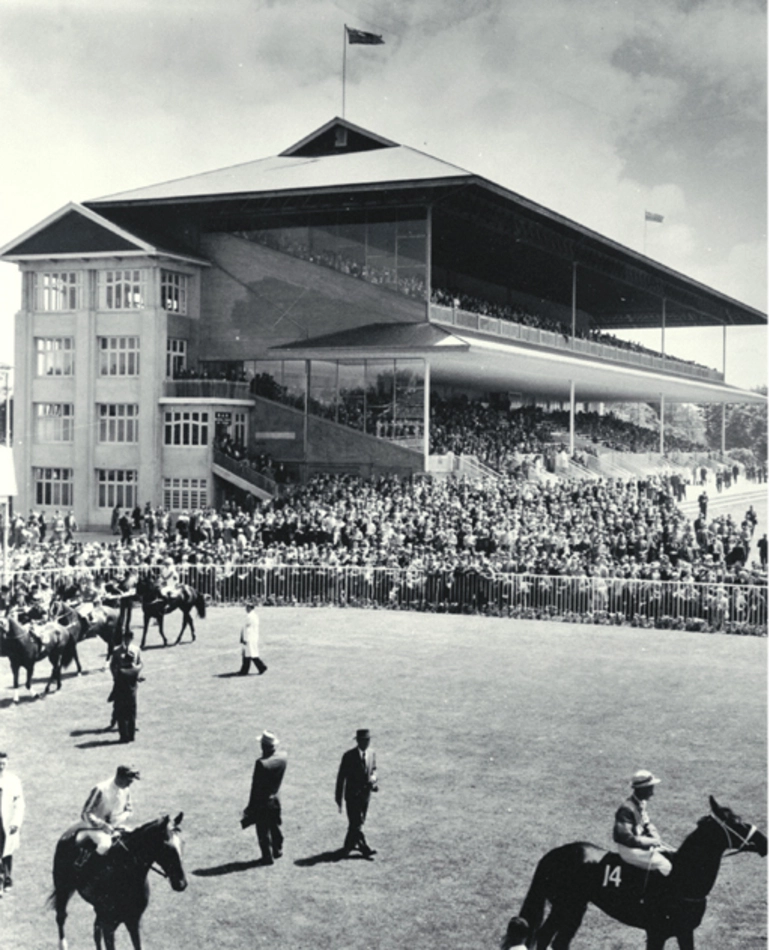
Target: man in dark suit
264	807
356	780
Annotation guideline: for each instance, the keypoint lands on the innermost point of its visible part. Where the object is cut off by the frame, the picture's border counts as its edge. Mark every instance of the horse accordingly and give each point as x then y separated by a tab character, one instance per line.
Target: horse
155	605
60	636
115	884
23	651
574	875
27	644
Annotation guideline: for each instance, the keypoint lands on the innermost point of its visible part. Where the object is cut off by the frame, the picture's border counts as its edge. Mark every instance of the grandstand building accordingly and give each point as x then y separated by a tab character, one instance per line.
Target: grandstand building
306	306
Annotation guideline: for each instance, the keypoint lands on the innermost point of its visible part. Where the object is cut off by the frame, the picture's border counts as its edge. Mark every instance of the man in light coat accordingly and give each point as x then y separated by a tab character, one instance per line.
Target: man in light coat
250	643
11	817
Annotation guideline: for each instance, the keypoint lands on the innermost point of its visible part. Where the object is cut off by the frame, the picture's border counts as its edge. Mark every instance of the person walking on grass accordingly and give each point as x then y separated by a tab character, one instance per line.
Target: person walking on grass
356	780
250	643
264	807
515	935
11	817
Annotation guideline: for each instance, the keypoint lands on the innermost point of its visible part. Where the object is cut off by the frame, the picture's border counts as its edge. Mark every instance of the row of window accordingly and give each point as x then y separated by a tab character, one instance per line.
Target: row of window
125	289
118	422
118	356
54	488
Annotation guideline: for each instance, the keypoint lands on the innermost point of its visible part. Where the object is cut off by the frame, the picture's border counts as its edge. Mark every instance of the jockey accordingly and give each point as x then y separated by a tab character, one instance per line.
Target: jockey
105	814
168	582
635	835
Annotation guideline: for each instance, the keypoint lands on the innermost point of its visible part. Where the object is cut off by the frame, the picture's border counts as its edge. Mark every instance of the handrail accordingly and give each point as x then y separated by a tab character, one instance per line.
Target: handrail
242	469
206	389
496	326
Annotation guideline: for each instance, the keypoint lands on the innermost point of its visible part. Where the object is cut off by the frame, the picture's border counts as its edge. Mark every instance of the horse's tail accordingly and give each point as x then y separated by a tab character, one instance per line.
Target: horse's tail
200	605
533	908
69	649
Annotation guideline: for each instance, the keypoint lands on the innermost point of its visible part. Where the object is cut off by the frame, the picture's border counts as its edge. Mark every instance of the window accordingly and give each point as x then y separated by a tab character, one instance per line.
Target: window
54	356
186	427
54	421
122	289
173	291
176	357
181	494
58	291
116	486
118	422
119	356
53	486
239	427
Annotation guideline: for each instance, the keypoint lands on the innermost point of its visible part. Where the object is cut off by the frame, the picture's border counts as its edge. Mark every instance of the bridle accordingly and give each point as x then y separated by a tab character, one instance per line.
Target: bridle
731	831
139	862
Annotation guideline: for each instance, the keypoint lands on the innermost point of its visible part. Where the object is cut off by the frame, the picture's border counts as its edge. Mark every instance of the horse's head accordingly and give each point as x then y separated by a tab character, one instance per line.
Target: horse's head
740	835
169	852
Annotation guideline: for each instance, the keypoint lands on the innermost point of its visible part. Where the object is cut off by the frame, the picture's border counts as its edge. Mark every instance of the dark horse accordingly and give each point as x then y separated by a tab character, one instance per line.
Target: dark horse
116	884
25	645
155	606
574	875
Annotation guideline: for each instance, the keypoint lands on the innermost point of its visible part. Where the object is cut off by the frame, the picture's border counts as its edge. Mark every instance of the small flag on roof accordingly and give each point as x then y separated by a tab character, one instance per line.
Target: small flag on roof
360	36
649	216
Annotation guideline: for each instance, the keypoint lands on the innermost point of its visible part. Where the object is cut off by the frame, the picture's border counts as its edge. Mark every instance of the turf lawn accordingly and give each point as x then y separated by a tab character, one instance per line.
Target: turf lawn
496	740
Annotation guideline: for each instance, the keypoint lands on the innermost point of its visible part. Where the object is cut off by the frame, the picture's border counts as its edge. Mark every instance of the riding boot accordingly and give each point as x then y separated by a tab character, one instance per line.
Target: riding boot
86	852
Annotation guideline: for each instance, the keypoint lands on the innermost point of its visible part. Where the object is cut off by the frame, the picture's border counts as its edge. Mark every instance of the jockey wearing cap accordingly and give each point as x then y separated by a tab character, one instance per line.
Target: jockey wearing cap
168	582
635	835
105	814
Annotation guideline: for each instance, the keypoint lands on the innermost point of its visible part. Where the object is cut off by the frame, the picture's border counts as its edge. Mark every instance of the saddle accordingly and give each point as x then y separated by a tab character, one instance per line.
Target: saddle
630	884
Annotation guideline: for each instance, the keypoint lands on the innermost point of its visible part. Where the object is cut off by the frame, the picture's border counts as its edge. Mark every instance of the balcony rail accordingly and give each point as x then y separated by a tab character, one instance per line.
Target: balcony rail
495	326
244	470
681	605
206	389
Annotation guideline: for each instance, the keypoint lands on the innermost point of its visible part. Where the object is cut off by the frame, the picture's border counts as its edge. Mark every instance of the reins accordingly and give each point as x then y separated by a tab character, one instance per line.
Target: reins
141	862
731	831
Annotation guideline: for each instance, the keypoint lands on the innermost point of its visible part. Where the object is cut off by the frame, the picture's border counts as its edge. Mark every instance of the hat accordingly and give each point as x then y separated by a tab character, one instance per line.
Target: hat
643	779
3	755
363	734
128	771
268	739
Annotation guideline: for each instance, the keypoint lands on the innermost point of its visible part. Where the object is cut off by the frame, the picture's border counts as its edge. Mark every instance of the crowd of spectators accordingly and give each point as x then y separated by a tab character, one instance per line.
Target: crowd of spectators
608	528
261	463
514	314
412	285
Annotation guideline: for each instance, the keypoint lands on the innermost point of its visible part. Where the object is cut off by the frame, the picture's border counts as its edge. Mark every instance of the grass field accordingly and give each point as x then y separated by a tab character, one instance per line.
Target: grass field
496	740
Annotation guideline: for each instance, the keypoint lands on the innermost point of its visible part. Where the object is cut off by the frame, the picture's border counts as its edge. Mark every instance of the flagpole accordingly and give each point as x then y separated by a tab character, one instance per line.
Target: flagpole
344	62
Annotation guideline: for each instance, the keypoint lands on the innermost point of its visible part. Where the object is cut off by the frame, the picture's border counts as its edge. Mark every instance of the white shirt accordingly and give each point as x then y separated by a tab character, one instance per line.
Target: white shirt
107	805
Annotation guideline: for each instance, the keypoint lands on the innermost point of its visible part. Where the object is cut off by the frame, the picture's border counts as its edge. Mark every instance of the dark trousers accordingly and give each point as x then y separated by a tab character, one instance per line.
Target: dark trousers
125	715
356	808
268	826
246	664
124	617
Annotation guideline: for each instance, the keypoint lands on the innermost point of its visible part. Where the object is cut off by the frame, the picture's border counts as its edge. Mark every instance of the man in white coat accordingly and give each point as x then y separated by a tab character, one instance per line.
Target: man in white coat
250	642
11	817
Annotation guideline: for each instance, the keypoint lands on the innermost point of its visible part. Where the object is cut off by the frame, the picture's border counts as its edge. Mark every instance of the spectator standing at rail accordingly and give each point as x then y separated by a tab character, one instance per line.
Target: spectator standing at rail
250	643
762	545
264	806
356	780
703	505
11	818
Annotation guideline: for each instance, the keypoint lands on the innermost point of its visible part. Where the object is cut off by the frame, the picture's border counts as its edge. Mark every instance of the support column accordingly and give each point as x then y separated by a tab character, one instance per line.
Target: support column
662	423
724	374
428	258
663	329
426	415
574	299
571	417
307	409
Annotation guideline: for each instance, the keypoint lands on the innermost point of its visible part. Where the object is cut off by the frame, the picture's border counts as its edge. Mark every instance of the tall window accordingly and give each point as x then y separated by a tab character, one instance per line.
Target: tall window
186	427
118	422
173	291
59	291
54	421
239	427
53	486
116	486
118	355
55	356
122	289
176	357
185	493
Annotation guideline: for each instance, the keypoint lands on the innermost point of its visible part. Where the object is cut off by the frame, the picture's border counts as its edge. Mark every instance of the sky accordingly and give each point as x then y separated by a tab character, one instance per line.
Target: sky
599	110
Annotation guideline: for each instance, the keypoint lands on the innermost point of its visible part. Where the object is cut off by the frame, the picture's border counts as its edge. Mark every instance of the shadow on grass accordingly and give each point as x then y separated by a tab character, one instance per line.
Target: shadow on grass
76	733
226	676
232	867
24	697
96	743
328	857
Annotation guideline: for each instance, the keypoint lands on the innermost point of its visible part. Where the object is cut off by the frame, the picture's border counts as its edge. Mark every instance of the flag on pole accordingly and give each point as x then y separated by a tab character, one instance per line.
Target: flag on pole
360	36
649	216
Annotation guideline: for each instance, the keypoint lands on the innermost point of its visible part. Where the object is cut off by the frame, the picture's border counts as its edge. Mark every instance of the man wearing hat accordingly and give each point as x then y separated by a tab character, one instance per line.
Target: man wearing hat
264	807
635	835
356	780
11	817
105	814
250	643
